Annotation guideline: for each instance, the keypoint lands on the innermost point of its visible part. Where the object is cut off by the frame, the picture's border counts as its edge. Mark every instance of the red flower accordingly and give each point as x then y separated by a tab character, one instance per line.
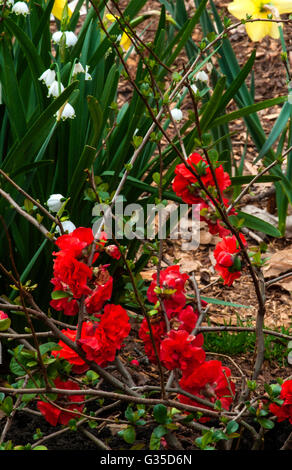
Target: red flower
180	351
53	414
186	186
73	273
100	341
188	319
78	365
158	331
209	381
172	283
285	410
76	241
113	251
66	304
228	265
3	315
103	291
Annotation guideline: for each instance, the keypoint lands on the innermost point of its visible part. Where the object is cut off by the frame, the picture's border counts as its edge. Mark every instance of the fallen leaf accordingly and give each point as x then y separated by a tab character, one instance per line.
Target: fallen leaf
278	264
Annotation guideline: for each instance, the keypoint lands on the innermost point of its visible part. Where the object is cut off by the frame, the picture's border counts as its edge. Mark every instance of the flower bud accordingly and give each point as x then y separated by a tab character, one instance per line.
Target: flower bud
67	113
225	259
67	225
113	251
176	114
202	76
54	89
20	8
4	321
54	202
48	77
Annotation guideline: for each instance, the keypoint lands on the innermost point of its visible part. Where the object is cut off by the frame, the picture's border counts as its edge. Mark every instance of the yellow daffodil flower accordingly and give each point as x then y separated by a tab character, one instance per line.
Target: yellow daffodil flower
58	8
260	9
125	41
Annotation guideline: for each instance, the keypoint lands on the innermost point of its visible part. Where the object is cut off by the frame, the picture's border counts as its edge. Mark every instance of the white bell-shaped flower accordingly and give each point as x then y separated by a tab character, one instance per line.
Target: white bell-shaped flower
54	202
20	8
176	114
67	225
55	89
68	112
48	77
202	76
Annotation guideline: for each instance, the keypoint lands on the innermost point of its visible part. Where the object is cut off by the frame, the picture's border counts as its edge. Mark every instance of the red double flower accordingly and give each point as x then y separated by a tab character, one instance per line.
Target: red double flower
285	410
228	263
55	415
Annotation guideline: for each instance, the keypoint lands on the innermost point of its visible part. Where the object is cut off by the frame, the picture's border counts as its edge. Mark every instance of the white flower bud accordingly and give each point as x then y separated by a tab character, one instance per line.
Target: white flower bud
177	115
54	202
48	77
202	76
56	37
67	113
78	68
87	75
71	38
67	225
20	8
54	89
194	88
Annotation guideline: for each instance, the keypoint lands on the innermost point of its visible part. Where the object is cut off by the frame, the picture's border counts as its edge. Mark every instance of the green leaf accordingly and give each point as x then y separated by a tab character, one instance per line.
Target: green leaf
232	427
11	92
50	346
266	423
254	223
278	127
7	405
37	132
223	302
160	413
96	114
245	179
129	435
33	58
246	111
59	294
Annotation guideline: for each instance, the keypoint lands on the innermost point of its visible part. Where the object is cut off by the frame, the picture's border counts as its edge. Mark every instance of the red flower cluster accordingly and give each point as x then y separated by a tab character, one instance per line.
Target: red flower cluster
75	278
228	261
172	283
209	381
178	348
55	415
186	185
158	332
285	410
99	340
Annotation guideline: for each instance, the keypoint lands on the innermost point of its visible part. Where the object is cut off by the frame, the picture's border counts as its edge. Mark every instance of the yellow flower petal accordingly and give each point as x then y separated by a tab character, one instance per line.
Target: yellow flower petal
125	42
241	8
258	30
283	6
111	17
58	9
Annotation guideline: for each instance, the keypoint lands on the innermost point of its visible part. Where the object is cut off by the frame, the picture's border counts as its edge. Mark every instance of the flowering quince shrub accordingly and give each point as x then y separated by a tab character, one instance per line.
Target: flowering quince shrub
102	322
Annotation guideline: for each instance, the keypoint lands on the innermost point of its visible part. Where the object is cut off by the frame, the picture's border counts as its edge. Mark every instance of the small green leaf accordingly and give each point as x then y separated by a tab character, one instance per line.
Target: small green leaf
160	413
129	435
232	427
